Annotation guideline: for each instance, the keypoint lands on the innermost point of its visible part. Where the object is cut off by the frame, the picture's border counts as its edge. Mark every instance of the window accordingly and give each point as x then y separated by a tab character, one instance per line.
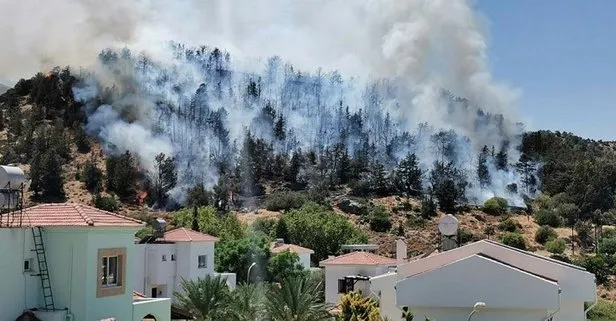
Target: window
202	261
172	257
111	272
27	265
342	286
164	258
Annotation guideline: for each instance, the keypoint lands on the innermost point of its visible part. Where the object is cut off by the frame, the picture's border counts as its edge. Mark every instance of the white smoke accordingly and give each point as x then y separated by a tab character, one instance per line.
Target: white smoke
424	45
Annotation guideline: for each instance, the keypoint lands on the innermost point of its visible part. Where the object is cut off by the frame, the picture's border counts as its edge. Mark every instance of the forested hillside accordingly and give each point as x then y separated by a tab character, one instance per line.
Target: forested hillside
280	151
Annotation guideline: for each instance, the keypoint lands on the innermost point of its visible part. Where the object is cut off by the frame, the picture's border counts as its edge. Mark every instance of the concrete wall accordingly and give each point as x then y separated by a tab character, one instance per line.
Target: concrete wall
383	286
457	314
335	272
304	260
120	305
158	308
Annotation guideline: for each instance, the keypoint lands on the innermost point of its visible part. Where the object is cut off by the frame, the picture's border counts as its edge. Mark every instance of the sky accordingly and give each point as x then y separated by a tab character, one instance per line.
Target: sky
562	55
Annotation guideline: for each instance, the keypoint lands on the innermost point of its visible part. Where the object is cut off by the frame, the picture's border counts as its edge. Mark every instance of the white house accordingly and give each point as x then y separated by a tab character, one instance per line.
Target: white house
352	272
71	262
304	253
164	261
513	284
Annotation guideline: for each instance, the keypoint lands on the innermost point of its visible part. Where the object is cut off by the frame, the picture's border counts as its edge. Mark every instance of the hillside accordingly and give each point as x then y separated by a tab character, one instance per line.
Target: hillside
3	88
71	152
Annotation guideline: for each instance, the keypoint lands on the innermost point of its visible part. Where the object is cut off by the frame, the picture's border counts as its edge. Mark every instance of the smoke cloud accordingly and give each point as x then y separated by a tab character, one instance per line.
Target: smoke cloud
421	47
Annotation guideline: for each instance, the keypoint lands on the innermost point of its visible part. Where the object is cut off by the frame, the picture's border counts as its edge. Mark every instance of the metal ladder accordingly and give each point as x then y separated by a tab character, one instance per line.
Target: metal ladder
39	248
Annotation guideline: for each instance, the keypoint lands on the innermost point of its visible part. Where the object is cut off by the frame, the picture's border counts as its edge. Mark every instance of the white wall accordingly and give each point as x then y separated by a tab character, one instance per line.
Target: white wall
458	314
304	260
383	286
335	272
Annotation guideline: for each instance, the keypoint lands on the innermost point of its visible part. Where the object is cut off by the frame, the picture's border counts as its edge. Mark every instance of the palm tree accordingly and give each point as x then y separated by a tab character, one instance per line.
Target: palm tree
248	303
206	298
297	299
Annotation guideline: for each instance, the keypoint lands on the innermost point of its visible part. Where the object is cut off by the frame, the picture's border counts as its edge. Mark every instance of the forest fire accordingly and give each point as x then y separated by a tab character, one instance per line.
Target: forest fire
141	196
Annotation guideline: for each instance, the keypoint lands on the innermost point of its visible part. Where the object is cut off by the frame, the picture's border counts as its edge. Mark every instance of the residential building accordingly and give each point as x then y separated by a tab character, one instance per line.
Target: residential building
71	262
513	284
304	254
352	272
168	257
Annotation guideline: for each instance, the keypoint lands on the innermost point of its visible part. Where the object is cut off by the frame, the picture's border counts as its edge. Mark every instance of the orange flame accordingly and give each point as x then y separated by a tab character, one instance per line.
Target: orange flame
141	197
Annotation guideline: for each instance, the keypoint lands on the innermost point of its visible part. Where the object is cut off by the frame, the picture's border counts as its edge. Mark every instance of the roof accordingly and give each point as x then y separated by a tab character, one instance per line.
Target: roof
71	214
183	234
289	247
359	258
536	255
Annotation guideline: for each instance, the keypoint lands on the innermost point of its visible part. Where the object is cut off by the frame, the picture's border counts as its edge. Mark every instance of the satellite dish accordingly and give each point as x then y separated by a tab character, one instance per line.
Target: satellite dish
448	225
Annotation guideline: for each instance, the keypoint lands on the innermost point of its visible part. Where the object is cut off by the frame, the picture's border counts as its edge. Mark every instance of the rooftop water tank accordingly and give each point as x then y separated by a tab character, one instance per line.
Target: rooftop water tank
11	177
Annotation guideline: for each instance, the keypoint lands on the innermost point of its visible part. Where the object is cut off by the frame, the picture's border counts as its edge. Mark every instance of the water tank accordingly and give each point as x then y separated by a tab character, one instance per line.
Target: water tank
9	200
11	176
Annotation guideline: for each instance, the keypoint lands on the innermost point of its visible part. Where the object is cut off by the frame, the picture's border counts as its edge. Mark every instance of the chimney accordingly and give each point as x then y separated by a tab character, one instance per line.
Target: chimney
159	227
278	242
401	249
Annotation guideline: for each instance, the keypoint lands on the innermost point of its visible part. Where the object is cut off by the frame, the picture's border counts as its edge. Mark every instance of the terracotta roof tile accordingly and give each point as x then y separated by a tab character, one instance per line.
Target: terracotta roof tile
358	258
290	247
71	214
187	235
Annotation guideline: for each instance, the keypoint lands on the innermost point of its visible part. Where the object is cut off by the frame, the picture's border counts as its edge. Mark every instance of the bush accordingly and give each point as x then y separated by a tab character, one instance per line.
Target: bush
544	234
92	177
496	206
105	203
380	219
597	266
608	246
608	233
428	208
547	217
264	225
285	201
514	239
556	246
603	311
508	225
465	236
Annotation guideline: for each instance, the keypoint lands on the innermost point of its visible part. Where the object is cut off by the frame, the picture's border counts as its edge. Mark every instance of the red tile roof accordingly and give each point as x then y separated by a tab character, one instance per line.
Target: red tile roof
358	258
72	214
187	235
290	247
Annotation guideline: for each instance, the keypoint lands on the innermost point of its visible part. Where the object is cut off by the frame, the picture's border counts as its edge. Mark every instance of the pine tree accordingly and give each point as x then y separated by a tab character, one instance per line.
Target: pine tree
279	128
52	182
282	230
92	177
526	168
409	176
501	159
166	176
379	179
482	167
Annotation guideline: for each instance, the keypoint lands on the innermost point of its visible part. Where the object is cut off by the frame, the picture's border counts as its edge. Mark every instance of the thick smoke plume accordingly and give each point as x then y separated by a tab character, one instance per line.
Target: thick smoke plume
409	62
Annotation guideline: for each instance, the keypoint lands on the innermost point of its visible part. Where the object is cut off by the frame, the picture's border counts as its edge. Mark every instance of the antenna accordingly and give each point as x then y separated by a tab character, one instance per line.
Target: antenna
448	226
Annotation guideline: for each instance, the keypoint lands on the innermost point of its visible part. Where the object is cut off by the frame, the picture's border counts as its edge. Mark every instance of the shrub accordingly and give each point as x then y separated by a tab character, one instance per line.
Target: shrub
543	202
380	219
514	239
285	201
489	230
608	246
105	203
603	311
428	208
496	206
547	217
508	225
597	266
556	246
544	234
92	177
608	233
354	306
465	236
264	225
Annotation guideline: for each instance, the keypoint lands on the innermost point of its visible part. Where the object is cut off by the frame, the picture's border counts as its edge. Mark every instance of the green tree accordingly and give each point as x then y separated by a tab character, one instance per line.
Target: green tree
206	298
166	177
448	185
227	227
483	173
409	176
297	299
282	230
248	303
328	232
121	175
51	180
92	176
237	255
284	265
